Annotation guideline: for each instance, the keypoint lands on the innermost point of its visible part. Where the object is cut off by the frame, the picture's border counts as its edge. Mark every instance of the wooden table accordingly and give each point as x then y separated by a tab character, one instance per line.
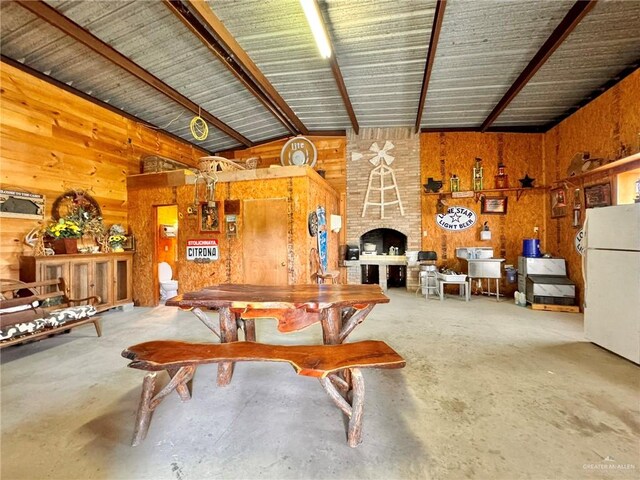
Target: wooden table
339	309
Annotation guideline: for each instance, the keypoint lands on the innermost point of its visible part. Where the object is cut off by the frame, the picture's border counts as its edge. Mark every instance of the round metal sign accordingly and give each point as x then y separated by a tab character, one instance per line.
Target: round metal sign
299	151
456	219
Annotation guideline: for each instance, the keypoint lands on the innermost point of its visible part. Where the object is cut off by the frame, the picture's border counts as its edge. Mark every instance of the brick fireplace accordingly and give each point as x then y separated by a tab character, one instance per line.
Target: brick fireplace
383	167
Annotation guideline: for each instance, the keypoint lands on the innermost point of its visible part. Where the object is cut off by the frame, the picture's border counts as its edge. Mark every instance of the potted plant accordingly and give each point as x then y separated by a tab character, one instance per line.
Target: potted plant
65	234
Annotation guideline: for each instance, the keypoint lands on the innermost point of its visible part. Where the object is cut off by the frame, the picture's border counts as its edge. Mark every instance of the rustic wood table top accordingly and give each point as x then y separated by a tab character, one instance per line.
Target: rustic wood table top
312	297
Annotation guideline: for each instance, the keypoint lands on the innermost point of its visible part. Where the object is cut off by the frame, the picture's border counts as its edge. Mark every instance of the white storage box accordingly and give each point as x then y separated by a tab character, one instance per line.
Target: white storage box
452	278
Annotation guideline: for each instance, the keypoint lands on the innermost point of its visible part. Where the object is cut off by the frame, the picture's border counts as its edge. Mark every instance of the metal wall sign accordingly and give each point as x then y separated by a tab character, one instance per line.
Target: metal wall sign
21	205
299	151
456	219
579	242
202	251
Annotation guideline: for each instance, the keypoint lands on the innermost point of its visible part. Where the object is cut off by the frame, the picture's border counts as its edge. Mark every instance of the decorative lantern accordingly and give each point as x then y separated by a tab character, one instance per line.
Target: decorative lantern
502	179
477	175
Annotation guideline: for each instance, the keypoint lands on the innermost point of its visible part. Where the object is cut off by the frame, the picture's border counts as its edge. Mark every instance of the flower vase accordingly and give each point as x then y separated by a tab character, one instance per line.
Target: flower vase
65	245
117	247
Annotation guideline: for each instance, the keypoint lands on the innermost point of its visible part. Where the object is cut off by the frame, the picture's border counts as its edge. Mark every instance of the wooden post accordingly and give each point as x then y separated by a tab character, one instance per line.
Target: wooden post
143	416
357	408
228	333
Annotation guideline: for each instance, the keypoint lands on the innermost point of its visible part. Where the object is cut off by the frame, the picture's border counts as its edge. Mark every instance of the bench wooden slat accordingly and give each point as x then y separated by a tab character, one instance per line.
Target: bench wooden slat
309	360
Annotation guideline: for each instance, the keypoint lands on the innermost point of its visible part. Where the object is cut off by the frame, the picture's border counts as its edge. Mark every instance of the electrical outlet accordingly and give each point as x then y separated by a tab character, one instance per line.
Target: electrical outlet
424	233
535	229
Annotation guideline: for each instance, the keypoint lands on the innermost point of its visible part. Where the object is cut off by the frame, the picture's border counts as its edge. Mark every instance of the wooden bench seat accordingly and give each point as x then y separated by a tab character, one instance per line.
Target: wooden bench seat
48	310
336	366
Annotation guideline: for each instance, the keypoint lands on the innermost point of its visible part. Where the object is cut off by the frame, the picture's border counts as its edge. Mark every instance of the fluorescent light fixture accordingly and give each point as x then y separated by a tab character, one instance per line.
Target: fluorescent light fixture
310	8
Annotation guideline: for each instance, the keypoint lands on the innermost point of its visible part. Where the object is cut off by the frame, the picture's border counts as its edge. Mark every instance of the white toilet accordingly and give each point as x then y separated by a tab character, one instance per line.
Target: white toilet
168	287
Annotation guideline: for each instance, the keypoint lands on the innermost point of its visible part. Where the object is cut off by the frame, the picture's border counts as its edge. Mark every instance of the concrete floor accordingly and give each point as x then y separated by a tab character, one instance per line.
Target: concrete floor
490	391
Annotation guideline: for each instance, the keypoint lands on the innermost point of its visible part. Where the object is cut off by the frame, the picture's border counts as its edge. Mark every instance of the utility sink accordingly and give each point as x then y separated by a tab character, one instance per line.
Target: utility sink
474	253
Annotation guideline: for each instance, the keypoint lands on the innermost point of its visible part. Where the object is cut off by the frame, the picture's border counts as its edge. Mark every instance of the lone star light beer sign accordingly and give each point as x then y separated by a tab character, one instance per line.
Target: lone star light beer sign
456	219
202	251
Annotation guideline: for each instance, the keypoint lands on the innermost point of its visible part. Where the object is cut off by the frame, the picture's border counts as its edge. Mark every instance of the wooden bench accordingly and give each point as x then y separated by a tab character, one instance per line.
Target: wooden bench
52	307
328	363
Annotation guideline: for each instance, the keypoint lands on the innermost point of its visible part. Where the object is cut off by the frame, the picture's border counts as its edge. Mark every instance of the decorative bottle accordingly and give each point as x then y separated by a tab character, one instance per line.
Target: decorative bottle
502	179
455	183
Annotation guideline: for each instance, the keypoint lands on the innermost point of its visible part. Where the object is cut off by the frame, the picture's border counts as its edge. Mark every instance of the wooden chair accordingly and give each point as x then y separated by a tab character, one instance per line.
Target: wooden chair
321	275
324	362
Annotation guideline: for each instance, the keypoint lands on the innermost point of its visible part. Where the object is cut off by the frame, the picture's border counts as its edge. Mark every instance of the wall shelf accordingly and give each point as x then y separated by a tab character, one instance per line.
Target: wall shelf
476	194
603	168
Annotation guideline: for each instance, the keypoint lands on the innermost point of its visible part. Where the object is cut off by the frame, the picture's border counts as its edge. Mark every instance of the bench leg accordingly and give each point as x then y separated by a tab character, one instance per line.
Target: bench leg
354	434
182	388
333	385
228	333
98	325
149	402
143	416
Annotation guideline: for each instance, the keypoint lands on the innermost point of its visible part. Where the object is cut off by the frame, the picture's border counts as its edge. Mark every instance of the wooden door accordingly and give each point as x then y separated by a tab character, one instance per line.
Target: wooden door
264	241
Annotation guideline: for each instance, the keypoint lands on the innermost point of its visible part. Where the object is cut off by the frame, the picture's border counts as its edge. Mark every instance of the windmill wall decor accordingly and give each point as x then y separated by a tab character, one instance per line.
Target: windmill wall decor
382	179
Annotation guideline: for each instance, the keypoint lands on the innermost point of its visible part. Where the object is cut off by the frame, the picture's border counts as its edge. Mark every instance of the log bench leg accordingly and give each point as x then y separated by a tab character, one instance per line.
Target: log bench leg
149	402
228	333
354	409
143	416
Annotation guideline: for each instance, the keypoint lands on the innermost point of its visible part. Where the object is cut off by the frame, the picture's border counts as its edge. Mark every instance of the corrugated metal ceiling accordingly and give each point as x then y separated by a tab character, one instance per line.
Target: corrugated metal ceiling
380	45
606	39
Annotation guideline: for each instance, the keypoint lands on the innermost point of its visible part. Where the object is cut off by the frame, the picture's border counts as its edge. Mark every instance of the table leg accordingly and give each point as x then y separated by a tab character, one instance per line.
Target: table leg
330	318
228	333
497	289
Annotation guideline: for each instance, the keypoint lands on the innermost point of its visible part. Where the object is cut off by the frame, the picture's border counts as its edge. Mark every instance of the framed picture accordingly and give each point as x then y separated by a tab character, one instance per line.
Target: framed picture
496	205
210	217
129	243
597	195
558	202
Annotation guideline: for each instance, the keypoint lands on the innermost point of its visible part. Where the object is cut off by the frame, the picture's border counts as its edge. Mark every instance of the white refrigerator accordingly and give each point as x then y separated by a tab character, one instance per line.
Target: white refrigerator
611	267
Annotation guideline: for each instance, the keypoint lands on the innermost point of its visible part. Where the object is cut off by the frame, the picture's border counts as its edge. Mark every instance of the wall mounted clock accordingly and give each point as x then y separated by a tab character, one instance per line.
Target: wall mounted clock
299	151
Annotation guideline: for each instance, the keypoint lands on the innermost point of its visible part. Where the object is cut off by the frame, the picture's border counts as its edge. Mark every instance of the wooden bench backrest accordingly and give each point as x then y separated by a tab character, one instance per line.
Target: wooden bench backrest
38	290
309	360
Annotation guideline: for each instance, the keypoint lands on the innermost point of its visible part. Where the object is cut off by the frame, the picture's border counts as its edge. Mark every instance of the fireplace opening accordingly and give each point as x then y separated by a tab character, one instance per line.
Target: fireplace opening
387	242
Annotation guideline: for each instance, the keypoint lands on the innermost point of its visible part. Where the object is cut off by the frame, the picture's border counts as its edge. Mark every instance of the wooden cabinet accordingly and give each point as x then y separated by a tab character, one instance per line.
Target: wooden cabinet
107	275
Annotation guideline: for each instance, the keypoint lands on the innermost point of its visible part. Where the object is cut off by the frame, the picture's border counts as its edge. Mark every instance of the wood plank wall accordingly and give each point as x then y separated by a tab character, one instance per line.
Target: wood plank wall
608	127
444	154
54	141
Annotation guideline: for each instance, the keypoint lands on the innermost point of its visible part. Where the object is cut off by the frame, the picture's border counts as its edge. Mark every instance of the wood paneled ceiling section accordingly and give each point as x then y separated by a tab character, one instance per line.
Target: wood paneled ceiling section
381	49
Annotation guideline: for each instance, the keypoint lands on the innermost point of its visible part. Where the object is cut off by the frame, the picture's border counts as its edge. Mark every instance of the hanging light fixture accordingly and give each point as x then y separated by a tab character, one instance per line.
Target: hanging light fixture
312	13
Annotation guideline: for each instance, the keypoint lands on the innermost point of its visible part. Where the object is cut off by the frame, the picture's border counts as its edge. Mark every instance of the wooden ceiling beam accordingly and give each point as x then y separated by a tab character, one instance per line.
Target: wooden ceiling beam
194	24
337	74
239	56
431	56
55	18
571	20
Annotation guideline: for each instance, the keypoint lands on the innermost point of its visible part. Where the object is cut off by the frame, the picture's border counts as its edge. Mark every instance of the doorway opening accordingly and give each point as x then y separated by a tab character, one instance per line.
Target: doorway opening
166	253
